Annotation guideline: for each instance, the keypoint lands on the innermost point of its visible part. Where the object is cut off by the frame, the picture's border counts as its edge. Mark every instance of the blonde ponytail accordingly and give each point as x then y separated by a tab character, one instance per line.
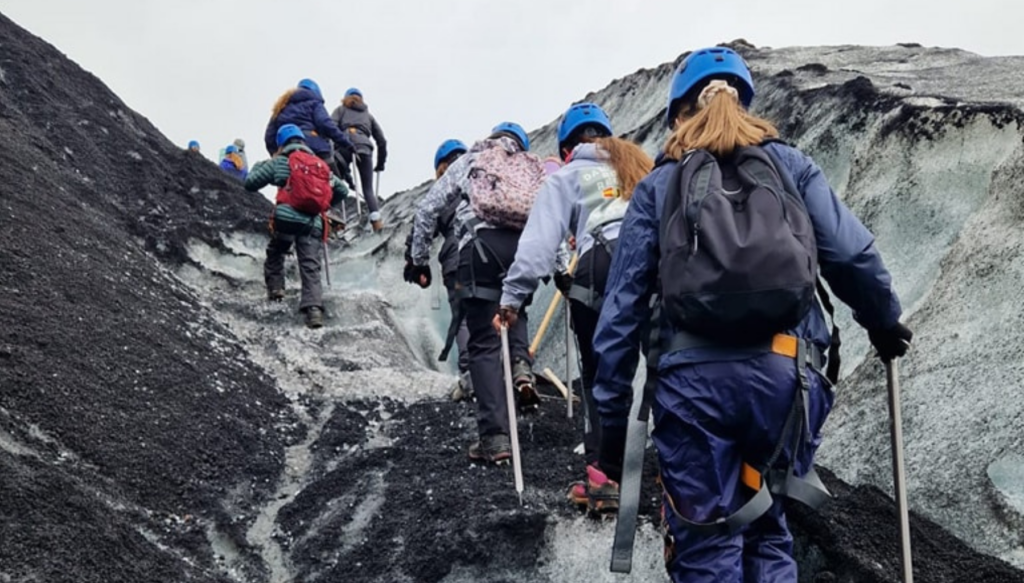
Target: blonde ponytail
720	128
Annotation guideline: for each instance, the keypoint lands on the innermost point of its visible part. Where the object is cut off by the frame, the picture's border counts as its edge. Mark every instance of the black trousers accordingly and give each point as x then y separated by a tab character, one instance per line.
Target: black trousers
592	270
482	267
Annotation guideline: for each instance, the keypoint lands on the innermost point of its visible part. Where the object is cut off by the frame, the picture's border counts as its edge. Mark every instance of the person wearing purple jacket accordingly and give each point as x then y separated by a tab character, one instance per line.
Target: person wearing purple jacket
304	107
719	406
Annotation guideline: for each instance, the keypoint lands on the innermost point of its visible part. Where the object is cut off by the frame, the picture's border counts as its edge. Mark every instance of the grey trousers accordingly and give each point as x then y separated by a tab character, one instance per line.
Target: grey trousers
307	248
364	164
485	366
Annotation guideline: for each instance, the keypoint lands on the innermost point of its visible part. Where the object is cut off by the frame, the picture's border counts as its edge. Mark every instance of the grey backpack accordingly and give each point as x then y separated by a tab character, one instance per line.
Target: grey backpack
738	256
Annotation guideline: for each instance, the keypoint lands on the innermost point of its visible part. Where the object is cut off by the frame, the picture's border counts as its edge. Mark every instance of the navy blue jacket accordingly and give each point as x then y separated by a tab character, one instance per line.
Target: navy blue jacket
306	110
847	259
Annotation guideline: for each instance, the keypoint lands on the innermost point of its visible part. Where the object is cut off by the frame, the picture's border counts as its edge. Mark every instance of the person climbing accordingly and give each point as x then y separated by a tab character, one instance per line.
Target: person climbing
193	146
448	257
239	144
584	202
304	107
731	239
497	180
354	118
233	164
306	189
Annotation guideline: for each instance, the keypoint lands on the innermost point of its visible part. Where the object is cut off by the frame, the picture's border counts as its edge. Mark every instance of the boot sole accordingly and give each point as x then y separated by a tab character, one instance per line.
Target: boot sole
502	461
529	398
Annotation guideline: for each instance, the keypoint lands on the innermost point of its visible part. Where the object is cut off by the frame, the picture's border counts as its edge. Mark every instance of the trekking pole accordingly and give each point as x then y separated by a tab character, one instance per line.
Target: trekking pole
436	303
376	184
513	430
898	472
327	264
569	359
543	328
358	179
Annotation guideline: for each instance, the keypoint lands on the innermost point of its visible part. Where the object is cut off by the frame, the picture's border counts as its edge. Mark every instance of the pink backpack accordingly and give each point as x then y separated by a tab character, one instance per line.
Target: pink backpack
503	186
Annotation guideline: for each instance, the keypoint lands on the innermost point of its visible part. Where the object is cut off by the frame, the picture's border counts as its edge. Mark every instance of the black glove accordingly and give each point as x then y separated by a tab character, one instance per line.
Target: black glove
420	275
508	315
892	342
408	274
563	281
380	164
612	450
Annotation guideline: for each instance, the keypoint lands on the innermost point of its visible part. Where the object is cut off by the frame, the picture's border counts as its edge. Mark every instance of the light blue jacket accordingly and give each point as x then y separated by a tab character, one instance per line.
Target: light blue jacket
580	196
847	259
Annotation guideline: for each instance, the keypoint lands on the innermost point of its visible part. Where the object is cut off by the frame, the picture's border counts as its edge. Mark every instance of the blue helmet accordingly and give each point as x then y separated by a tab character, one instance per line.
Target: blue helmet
447	148
311	85
353	91
513	129
231	149
703	64
193	144
579	115
287	132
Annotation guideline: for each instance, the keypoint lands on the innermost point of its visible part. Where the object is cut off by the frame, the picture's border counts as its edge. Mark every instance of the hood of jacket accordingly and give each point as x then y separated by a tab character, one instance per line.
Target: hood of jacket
303	94
587	152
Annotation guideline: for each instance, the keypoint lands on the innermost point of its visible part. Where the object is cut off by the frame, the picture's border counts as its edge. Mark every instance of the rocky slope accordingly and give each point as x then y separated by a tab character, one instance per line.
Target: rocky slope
160	422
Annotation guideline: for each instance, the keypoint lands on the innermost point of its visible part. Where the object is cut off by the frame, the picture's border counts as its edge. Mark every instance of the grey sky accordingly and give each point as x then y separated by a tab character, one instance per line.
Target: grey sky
430	70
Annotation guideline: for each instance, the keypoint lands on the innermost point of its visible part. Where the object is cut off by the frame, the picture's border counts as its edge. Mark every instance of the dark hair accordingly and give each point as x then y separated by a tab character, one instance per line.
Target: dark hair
587	132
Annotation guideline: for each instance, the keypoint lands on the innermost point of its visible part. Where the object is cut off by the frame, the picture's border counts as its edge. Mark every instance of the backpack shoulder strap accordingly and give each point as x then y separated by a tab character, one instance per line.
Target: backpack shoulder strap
675	194
834	360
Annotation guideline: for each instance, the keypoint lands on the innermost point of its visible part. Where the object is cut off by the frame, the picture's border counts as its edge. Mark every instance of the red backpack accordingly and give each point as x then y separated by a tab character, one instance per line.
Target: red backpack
308	189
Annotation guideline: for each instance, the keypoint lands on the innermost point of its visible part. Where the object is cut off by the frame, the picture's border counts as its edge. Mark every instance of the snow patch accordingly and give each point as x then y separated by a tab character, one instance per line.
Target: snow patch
924	101
1007	475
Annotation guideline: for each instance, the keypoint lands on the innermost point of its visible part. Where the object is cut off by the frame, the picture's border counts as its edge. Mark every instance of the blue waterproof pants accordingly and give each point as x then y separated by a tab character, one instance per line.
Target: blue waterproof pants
709	419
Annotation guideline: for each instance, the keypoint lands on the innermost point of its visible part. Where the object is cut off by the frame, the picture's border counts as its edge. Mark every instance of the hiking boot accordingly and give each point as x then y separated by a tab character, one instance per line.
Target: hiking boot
526	386
275	295
377	226
577	494
602	493
314	317
494	449
597	493
463	390
337	222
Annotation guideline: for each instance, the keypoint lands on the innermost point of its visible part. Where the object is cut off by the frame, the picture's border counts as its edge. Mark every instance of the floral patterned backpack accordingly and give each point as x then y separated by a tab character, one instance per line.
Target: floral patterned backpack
503	186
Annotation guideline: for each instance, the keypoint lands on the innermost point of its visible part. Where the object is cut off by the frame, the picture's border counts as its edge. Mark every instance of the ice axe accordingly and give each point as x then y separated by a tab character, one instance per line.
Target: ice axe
513	430
898	472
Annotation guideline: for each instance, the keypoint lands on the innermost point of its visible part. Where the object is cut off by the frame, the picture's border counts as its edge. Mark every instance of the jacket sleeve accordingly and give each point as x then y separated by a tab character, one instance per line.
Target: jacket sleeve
626	310
847	256
327	127
270	136
261	174
545	230
339	188
430	207
336	116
